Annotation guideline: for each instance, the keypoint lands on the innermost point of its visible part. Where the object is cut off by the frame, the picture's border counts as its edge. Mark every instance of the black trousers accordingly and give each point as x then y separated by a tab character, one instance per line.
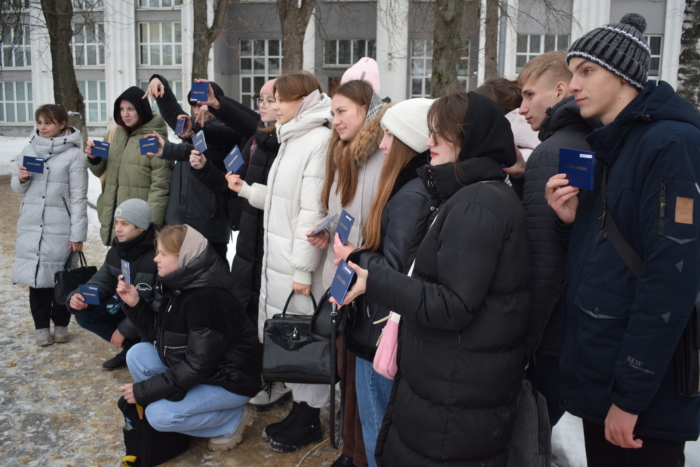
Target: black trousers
45	310
654	453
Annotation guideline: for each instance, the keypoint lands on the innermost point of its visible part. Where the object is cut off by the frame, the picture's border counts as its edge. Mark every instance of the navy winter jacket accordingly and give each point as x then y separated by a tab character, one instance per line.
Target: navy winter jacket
621	331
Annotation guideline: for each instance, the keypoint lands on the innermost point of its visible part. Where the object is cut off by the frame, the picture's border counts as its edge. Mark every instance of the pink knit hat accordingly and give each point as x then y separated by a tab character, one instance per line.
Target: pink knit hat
268	87
365	69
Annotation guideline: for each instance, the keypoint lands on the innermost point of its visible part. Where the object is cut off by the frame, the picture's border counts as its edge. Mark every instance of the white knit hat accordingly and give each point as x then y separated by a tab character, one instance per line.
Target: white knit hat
408	121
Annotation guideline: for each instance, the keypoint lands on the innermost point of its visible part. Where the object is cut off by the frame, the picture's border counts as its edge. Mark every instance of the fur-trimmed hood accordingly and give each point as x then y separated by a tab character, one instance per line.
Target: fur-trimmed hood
364	144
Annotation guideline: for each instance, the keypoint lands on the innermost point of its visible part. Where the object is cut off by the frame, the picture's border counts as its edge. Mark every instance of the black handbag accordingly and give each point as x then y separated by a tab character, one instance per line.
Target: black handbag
67	280
365	327
322	321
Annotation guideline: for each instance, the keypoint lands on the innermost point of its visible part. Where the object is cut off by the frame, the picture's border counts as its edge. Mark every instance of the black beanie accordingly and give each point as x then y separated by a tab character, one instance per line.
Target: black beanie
134	95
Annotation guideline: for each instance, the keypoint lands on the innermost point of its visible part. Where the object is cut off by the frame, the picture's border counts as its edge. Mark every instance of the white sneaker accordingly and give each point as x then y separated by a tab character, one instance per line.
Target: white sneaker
224	443
272	394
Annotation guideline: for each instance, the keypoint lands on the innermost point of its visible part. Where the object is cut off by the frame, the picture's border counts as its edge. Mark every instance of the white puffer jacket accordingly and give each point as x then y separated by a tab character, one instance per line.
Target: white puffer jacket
292	204
45	227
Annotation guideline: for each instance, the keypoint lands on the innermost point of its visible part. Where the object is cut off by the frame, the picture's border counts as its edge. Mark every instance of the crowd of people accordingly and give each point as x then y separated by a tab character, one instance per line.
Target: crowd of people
500	267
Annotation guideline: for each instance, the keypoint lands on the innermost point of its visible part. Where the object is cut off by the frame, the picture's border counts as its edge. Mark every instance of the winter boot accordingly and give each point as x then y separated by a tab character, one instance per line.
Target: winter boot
43	337
303	428
273	394
118	361
274	428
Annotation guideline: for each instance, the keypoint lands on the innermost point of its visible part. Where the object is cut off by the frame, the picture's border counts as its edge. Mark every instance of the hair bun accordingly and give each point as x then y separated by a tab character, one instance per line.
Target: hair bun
635	20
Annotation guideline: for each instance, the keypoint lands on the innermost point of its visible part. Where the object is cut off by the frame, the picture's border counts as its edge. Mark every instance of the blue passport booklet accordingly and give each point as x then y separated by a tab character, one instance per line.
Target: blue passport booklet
90	294
344	226
180	127
101	149
234	160
200	144
149	144
126	272
323	225
33	164
342	281
578	167
200	91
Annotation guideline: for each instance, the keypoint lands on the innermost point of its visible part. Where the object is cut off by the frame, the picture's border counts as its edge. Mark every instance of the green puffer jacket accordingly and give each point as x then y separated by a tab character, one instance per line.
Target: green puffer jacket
131	175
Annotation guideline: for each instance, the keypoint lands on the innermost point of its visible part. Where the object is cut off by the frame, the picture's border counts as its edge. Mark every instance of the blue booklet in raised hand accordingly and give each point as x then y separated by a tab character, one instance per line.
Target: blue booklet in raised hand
200	143
578	167
90	294
200	91
126	272
344	226
33	164
234	160
101	149
180	127
323	225
342	281
149	144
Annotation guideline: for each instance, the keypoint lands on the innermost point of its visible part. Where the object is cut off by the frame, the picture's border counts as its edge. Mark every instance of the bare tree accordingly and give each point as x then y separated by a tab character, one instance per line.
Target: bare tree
447	44
491	39
294	18
203	35
689	69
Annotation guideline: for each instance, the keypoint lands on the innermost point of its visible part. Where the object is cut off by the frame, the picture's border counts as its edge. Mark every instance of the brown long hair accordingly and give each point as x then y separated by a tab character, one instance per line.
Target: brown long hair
399	156
340	156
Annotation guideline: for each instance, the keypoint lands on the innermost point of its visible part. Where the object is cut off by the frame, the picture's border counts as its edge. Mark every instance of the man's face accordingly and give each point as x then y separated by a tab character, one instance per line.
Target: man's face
597	91
538	96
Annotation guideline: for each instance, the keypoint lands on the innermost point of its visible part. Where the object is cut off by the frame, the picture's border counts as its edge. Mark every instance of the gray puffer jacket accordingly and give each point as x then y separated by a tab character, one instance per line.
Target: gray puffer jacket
54	208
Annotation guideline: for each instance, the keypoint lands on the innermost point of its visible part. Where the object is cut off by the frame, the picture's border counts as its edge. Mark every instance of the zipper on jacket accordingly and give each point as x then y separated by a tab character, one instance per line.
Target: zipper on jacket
165	316
662	207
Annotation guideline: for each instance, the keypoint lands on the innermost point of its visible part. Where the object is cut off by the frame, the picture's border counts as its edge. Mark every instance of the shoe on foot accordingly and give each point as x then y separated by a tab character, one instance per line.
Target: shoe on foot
343	461
118	361
60	334
304	427
273	394
224	443
43	337
274	428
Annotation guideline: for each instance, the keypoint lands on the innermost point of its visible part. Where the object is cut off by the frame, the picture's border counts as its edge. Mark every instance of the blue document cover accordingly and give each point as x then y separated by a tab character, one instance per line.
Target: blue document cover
344	226
101	149
90	294
200	91
234	160
180	127
33	164
325	224
149	144
342	281
578	167
126	272
200	144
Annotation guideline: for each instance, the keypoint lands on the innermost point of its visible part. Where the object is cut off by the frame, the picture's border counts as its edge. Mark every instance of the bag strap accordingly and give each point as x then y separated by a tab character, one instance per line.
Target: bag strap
623	248
337	438
289	299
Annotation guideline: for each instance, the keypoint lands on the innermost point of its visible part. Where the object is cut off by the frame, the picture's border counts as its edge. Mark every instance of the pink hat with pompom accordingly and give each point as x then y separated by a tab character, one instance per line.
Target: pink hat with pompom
366	69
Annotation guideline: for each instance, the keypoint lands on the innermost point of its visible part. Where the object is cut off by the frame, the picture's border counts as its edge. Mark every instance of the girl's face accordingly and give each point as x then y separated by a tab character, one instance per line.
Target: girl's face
348	117
265	104
387	141
166	262
285	110
128	112
47	128
125	230
441	150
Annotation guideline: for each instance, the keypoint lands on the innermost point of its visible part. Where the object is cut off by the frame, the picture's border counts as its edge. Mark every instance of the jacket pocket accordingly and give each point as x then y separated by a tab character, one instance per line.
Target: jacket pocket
600	304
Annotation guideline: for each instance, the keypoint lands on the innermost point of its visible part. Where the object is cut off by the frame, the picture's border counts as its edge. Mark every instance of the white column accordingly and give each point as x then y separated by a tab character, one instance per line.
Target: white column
587	15
309	50
511	45
481	71
673	28
121	33
392	48
42	79
188	46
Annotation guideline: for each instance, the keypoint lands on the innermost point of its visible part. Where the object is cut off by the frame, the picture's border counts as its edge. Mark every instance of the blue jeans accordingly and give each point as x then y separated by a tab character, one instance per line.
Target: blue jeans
206	411
99	320
373	392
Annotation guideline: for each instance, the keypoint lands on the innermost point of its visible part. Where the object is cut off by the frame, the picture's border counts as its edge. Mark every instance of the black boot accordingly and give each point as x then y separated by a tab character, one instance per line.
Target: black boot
119	360
343	461
304	427
274	428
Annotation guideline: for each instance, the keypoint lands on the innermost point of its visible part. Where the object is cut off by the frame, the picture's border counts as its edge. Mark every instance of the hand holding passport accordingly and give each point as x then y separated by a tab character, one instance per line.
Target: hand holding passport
578	166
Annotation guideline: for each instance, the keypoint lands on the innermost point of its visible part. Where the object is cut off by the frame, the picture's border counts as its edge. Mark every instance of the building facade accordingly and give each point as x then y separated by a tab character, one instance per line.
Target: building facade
122	43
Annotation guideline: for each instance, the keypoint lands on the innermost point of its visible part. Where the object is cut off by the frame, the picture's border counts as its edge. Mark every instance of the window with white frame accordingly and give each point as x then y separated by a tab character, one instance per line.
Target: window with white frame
89	44
161	43
16	102
345	52
655	62
159	3
86	5
532	45
95	98
260	61
175	86
422	67
16	47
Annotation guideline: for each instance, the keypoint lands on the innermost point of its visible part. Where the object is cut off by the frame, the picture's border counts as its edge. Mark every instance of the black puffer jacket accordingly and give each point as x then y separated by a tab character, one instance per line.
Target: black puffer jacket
464	310
563	127
259	154
200	332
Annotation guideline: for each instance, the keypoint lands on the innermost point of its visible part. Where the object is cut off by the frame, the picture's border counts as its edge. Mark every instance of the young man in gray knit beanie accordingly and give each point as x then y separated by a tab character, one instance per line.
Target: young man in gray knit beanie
633	260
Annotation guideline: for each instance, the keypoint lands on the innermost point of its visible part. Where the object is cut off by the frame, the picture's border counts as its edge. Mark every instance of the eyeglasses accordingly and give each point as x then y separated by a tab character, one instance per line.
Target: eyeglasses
264	103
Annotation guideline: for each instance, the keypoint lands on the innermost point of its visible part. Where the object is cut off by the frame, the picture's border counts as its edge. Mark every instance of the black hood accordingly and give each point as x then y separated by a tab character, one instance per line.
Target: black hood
566	113
134	95
206	270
